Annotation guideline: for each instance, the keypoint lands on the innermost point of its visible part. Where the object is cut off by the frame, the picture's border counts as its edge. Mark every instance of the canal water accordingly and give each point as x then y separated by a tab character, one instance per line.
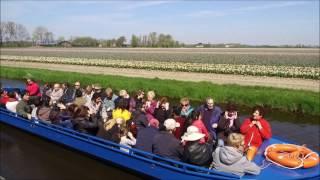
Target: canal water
23	155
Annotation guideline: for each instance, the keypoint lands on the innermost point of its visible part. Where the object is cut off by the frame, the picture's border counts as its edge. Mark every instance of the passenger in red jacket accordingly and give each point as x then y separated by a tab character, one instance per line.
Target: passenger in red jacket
255	129
4	98
33	88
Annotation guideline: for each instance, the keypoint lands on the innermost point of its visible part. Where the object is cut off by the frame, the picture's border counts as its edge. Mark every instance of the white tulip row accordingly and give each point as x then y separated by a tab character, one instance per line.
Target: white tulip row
255	70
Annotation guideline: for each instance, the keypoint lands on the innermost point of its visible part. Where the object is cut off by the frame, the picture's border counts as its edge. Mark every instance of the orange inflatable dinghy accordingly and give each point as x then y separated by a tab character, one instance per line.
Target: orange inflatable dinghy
291	156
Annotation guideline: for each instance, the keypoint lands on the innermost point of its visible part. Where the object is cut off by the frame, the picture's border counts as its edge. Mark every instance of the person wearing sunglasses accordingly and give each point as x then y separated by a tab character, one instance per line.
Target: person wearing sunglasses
186	108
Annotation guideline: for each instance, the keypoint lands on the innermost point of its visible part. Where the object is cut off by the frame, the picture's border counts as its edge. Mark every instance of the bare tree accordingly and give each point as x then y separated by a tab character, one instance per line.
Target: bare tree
120	41
11	31
152	39
39	34
3	32
22	33
48	37
144	40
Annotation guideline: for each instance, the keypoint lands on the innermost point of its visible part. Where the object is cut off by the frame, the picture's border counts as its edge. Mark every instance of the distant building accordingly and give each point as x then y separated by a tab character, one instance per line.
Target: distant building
199	45
46	44
65	44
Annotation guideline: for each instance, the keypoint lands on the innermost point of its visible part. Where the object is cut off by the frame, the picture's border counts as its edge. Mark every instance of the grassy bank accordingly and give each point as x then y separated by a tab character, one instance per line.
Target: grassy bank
287	100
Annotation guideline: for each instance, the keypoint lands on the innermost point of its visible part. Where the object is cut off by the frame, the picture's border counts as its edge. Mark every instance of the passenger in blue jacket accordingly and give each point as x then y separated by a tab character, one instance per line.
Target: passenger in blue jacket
165	144
146	135
210	116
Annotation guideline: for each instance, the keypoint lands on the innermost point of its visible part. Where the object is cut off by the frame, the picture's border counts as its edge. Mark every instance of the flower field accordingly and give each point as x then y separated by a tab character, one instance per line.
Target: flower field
307	71
238	56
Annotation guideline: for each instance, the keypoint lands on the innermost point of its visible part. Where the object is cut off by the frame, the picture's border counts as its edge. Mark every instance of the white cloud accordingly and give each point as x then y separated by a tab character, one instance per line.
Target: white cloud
143	4
207	13
268	6
212	13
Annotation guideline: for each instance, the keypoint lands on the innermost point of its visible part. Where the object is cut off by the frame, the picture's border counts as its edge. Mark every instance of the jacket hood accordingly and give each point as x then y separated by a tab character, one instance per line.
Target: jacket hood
229	155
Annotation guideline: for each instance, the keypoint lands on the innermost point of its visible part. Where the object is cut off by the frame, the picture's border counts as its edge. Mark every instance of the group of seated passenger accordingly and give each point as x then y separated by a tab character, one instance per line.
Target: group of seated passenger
203	136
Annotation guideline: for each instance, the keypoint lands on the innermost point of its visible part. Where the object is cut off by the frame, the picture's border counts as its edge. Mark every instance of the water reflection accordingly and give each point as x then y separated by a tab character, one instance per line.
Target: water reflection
24	156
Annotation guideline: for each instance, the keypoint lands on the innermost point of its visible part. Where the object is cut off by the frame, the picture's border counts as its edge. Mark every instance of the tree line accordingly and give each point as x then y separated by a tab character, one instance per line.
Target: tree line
16	35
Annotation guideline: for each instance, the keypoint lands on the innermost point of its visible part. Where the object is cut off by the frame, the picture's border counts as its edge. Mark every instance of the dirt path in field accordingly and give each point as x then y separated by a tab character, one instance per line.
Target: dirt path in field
291	83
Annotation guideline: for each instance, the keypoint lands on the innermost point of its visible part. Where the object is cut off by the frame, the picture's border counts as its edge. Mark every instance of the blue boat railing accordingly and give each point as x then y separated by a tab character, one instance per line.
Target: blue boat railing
153	159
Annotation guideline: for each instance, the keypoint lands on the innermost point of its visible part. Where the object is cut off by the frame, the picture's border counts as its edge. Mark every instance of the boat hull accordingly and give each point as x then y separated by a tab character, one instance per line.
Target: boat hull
143	162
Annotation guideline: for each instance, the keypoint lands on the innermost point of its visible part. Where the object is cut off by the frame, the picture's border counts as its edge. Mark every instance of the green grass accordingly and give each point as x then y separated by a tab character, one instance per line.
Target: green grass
283	99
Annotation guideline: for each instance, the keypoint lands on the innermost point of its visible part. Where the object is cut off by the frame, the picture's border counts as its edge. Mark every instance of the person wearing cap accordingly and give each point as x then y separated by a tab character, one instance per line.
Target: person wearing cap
228	123
195	152
23	109
165	144
146	135
98	89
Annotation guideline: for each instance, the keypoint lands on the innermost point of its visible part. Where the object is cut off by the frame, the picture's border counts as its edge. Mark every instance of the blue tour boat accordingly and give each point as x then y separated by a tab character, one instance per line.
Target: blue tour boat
145	163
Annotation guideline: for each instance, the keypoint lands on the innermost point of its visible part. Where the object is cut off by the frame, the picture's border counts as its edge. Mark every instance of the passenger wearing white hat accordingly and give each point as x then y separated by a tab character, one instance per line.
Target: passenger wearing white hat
171	124
166	144
192	134
195	152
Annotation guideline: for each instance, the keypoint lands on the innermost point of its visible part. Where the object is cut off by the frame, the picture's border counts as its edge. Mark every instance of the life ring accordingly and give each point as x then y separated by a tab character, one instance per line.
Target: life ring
291	156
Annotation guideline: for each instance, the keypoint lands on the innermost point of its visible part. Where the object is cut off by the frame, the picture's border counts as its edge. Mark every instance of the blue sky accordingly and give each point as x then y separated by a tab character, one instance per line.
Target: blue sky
248	22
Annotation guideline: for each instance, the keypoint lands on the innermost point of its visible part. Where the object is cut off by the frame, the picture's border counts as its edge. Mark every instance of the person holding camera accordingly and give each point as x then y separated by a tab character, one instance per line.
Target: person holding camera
228	123
163	112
